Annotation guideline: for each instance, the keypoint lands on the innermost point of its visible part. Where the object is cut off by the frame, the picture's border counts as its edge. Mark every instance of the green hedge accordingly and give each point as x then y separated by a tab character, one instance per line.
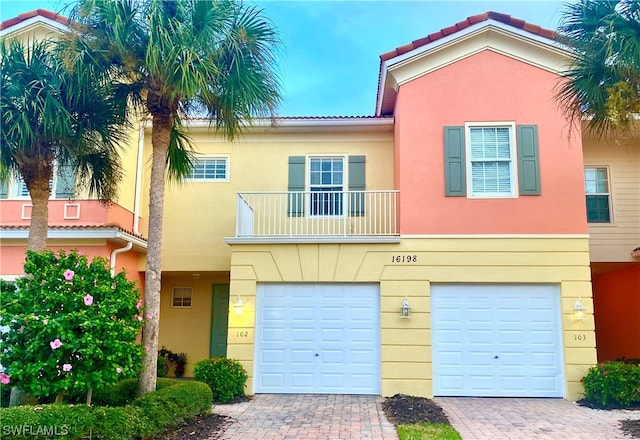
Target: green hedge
124	392
613	384
226	377
148	416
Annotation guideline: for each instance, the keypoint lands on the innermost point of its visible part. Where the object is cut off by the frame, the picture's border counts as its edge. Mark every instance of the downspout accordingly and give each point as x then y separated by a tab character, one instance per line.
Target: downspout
136	202
115	252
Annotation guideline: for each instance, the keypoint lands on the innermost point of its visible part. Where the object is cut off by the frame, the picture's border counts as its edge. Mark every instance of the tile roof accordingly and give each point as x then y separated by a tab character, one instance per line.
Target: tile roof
31	14
490	15
79	228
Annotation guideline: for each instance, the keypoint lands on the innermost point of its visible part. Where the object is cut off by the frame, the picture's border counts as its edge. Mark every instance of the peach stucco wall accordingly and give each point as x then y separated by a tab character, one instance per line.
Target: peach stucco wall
12	258
485	87
91	213
616	302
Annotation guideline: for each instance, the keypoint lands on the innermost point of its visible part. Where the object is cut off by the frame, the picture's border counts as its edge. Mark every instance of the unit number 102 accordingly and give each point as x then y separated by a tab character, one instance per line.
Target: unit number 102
404	258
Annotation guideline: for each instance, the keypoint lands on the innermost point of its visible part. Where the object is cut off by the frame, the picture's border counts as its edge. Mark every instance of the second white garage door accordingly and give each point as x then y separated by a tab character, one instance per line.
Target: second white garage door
317	338
497	340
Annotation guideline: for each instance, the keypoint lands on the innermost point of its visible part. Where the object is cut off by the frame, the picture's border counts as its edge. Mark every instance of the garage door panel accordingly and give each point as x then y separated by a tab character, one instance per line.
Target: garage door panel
301	381
273	334
509	332
272	380
329	341
301	356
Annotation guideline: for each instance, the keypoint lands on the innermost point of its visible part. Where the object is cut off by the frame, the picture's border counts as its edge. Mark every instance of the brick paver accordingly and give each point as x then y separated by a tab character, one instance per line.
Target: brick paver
307	417
524	419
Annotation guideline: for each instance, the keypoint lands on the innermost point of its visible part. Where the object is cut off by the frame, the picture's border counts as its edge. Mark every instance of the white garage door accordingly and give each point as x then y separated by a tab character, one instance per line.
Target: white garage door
497	340
317	338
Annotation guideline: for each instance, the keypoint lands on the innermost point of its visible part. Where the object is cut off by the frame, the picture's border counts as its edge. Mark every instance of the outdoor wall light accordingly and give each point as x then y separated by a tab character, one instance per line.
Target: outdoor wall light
239	306
405	308
578	310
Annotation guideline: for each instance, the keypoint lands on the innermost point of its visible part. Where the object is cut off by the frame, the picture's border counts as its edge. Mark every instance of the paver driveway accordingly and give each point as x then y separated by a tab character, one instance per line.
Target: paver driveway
524	419
307	417
336	417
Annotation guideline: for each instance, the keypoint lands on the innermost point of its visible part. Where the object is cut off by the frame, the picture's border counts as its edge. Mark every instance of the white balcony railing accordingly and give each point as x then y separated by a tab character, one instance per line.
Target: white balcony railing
316	214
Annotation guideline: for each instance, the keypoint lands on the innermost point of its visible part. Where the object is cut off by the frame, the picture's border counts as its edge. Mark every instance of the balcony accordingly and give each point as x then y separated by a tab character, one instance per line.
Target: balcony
309	216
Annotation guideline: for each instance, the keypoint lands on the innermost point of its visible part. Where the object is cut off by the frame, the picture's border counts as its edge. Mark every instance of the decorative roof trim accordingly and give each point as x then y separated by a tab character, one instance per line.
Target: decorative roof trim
461	29
512	22
30	18
77	232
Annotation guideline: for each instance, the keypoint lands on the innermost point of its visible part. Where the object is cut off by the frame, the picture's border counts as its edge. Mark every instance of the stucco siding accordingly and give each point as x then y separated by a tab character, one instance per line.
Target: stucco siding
486	88
406	343
614	242
257	162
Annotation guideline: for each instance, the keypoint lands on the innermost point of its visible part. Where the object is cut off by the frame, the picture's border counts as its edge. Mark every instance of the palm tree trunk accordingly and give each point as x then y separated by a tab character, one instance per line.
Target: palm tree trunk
37	241
161	131
40	192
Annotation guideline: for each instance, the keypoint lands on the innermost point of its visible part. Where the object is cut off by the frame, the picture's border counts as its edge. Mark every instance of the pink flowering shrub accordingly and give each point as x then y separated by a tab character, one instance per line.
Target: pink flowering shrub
72	326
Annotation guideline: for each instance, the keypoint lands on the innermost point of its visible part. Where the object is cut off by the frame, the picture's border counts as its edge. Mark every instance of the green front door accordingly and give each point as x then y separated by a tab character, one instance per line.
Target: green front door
219	320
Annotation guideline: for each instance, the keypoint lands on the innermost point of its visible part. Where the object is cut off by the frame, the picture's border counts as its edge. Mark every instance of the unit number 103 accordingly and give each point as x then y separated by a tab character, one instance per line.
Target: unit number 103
404	258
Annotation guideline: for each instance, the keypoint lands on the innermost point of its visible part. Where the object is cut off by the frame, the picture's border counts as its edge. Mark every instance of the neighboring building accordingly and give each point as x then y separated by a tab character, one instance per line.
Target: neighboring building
294	247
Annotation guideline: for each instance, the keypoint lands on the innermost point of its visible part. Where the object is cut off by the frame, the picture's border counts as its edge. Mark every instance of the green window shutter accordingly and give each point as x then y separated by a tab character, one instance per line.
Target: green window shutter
357	182
4	190
296	183
528	160
454	162
65	182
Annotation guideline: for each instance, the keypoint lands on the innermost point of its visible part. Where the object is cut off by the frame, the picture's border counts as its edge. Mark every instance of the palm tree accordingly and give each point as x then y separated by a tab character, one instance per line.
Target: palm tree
54	115
214	58
603	83
51	115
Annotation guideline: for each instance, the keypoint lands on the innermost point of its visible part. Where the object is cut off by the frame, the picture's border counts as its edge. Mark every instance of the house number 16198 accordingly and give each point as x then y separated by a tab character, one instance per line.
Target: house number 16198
404	258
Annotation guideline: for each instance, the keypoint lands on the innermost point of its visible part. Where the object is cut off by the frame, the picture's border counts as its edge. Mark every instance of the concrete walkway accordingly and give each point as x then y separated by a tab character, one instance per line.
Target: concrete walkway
524	419
307	417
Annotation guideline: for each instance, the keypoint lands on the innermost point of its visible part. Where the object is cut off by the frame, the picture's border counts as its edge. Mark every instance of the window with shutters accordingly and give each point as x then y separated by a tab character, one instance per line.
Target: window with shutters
596	187
326	186
210	169
490	167
181	297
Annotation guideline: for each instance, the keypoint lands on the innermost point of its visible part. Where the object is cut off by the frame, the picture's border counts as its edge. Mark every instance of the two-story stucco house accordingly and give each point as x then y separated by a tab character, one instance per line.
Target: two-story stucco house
446	245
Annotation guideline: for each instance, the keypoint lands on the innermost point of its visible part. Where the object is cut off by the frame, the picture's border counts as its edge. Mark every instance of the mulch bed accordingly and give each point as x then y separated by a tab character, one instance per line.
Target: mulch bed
631	428
204	427
402	409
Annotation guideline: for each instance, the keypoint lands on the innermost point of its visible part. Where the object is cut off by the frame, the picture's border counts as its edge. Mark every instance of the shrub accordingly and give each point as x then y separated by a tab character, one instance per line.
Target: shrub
165	407
148	416
125	392
613	384
225	377
69	325
161	366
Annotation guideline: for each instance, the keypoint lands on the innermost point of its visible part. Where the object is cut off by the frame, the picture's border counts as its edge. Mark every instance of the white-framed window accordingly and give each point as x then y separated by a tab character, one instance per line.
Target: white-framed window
62	185
598	194
326	179
210	169
181	297
491	159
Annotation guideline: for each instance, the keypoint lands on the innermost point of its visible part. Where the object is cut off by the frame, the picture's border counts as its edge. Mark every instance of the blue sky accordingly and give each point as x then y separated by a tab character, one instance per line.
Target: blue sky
330	60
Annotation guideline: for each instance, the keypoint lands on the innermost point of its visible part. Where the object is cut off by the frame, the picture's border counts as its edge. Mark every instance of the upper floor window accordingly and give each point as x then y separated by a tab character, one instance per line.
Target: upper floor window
596	187
326	185
491	161
210	168
62	186
181	297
